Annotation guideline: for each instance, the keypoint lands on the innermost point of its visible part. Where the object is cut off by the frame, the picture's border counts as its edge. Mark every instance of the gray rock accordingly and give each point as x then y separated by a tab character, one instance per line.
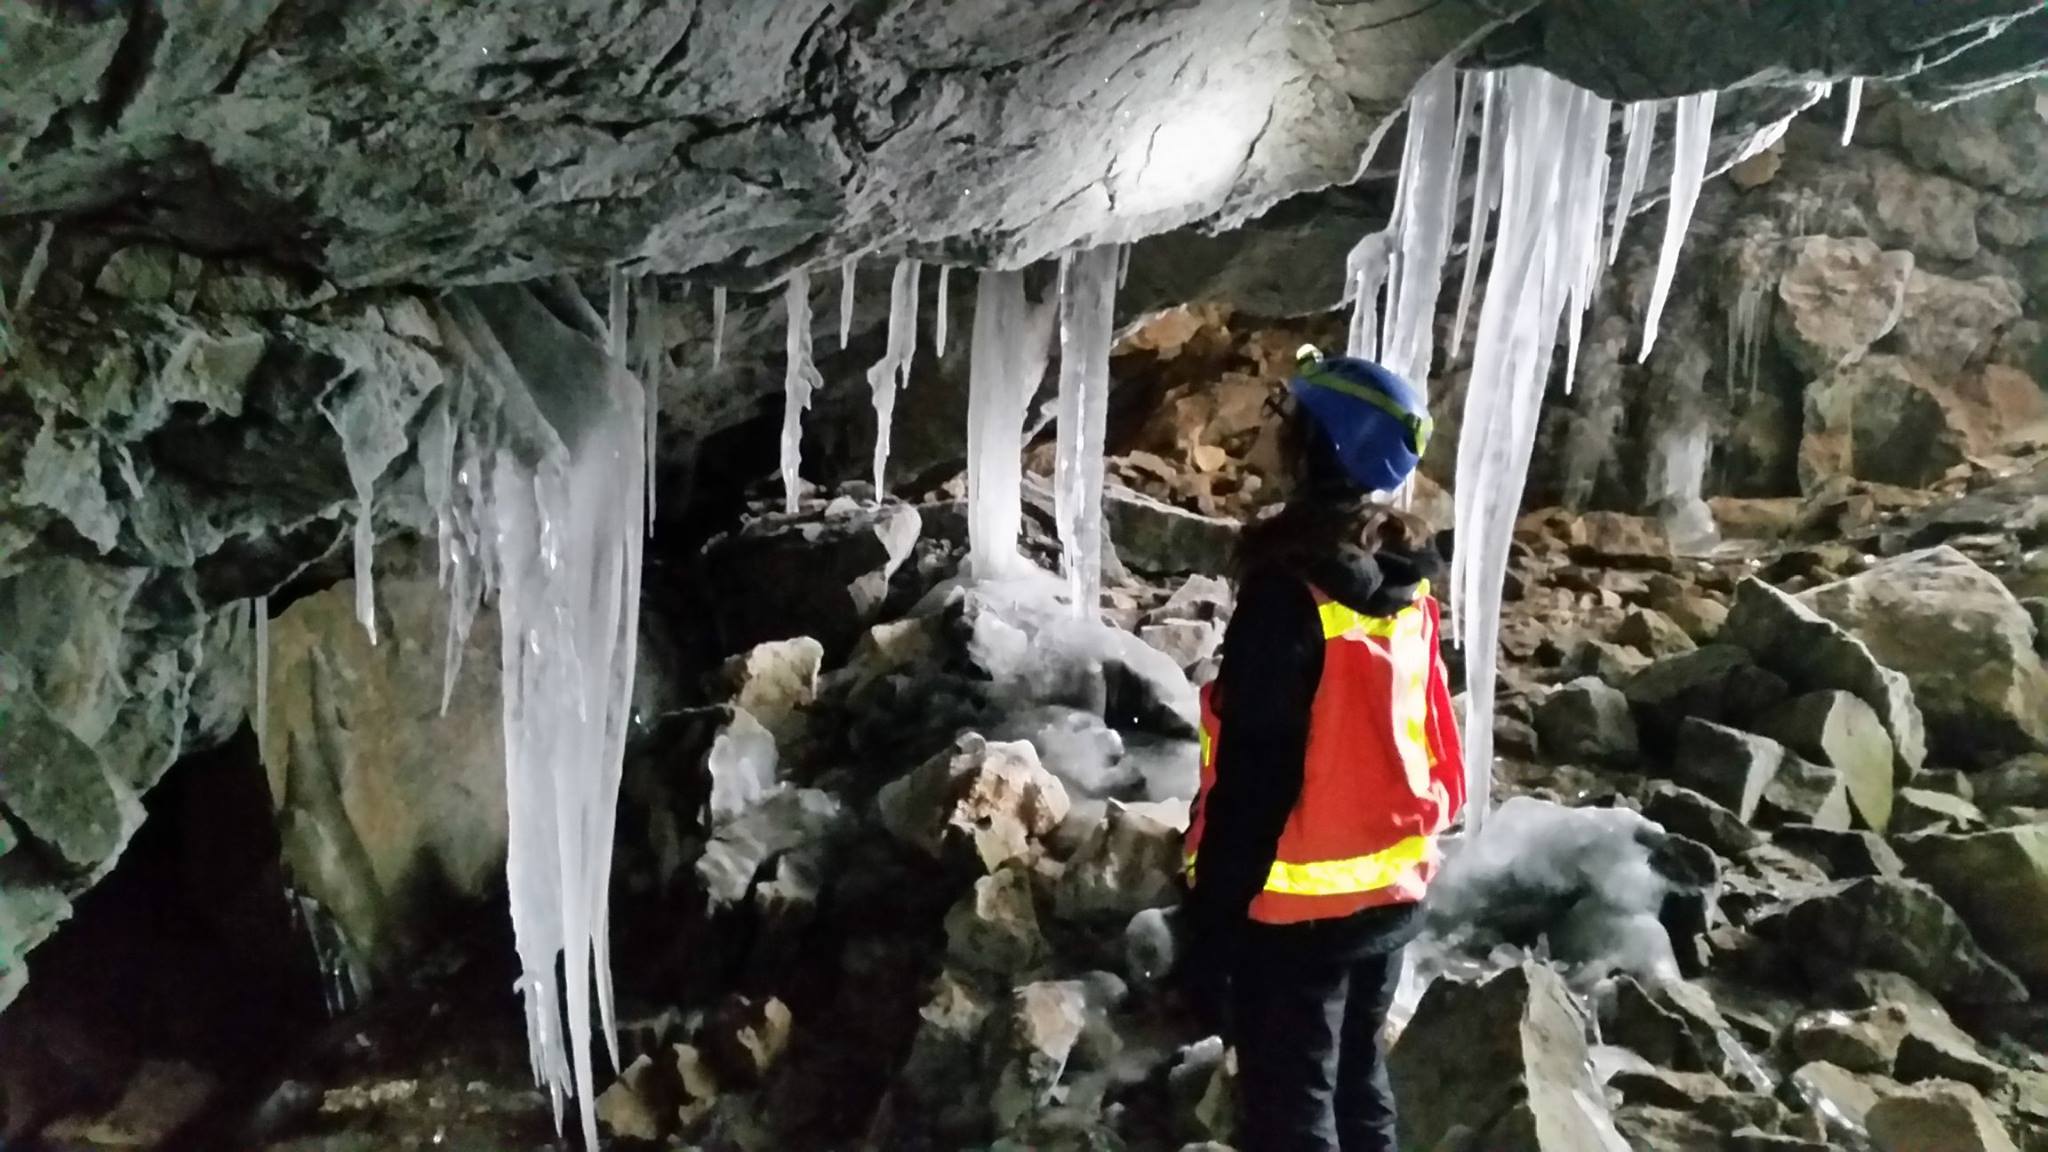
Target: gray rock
1502	1063
1881	418
1649	631
1924	810
1996	141
1187	642
1998	882
773	682
1848	1094
1586	721
1756	778
1901	925
1163	540
1917	612
57	789
1672	1024
1838	729
1938	1116
1932	215
1687	813
1718	683
991	799
1865	1041
2021	782
1947	1054
1951	325
1046	1022
1125	866
1814	654
1837	298
1845	855
781	577
994	928
781	822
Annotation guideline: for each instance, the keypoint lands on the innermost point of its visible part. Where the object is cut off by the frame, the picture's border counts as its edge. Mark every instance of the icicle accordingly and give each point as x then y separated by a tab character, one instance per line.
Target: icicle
1552	132
1693	139
1855	109
717	326
1425	212
560	533
259	619
1087	323
1640	123
1011	342
849	275
799	380
1123	266
1366	271
940	313
32	274
651	358
1485	198
616	316
1748	322
365	559
892	371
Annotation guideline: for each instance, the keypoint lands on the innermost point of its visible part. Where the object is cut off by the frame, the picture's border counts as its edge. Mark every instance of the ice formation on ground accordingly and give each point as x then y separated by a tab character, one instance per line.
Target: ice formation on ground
1692	139
1011	345
546	510
1087	328
892	371
799	380
941	310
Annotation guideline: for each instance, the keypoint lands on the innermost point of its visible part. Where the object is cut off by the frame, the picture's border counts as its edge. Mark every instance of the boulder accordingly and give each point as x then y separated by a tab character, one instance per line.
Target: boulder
1998	883
1933	215
1586	721
1672	1024
2021	782
1883	419
1946	1054
994	928
1836	298
1498	1064
1951	325
1126	865
1046	1022
775	681
742	763
1160	539
1652	632
1901	925
1719	683
1828	1087
1756	777
1938	1116
1862	1041
633	1107
993	798
1843	854
1925	810
822	576
1962	640
1687	813
744	1038
1838	729
781	822
1816	654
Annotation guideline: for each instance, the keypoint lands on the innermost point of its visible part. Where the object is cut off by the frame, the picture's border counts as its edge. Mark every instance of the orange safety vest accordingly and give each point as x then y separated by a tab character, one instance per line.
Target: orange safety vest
1383	775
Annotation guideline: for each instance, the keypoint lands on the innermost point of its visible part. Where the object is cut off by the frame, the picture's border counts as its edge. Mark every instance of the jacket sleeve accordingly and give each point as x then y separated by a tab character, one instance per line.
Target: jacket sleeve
1446	746
1272	661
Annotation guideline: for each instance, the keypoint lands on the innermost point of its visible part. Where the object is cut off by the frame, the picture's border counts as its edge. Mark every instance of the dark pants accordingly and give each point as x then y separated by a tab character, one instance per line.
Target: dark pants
1306	1023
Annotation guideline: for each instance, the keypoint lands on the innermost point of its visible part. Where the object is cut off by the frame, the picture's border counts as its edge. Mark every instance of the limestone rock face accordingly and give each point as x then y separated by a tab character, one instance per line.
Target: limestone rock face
1962	640
1892	924
381	797
1837	298
1881	418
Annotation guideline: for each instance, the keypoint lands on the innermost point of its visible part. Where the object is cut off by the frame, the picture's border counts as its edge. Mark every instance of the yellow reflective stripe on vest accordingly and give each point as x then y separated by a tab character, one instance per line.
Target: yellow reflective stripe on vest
1368	873
1342	620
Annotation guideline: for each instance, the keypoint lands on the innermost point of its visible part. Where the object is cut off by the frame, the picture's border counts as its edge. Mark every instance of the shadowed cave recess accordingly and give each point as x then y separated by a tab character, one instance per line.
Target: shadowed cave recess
635	574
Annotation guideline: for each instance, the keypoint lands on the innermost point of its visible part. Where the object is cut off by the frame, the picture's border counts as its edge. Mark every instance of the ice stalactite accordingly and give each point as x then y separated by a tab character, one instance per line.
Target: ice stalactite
1485	198
259	627
892	371
1426	209
547	510
1123	266
1748	323
1854	110
1555	139
1087	326
799	380
1693	139
1365	275
849	280
941	309
1011	343
649	358
717	326
1639	124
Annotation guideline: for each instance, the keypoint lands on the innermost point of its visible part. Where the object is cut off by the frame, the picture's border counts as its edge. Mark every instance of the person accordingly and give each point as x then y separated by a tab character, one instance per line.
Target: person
1330	762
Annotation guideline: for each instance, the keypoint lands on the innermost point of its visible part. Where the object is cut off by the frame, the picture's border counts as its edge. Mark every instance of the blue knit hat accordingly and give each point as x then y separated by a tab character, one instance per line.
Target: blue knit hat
1376	422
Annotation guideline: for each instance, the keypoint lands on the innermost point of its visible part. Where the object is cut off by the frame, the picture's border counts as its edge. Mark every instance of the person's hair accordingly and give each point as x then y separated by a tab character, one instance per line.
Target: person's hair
1325	510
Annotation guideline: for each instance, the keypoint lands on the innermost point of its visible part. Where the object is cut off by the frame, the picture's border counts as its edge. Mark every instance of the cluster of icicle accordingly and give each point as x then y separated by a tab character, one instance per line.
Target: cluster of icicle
1541	189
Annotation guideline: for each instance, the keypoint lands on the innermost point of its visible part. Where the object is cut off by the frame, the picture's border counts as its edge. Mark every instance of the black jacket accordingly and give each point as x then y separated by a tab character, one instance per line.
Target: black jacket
1272	665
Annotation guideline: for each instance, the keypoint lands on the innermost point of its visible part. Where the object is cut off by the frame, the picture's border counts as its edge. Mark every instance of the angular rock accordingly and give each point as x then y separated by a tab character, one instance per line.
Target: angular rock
1845	855
781	577
1922	810
1046	1022
1884	419
1950	325
1756	777
741	763
2021	782
1665	1129
1586	721
1815	654
991	797
631	1108
1837	298
1838	729
1900	925
66	803
1866	1041
1803	792
1673	1024
1719	683
1160	539
779	823
773	682
1608	663
1947	1054
1930	214
1126	865
1961	639
744	1038
1687	813
1188	642
1501	1064
1825	1087
1938	1116
1650	631
994	928
1998	883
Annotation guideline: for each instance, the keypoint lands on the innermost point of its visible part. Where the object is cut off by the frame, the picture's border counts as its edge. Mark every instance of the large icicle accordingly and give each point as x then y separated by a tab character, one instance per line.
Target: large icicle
1425	211
1555	138
1485	198
559	519
259	620
941	311
717	326
892	371
650	358
849	278
1087	324
1639	122
1011	343
1854	110
1365	274
1693	139
799	380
